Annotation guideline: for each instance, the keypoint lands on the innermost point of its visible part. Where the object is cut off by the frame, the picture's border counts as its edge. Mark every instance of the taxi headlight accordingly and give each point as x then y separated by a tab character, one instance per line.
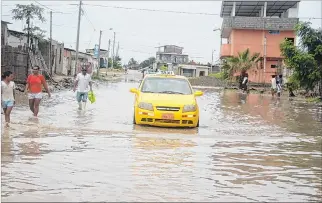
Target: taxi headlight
189	108
146	106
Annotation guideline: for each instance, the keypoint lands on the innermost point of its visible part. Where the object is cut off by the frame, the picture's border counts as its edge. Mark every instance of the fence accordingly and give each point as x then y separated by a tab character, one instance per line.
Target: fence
15	60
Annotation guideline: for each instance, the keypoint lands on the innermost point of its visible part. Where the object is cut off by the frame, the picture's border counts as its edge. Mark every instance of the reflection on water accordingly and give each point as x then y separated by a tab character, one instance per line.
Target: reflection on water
247	148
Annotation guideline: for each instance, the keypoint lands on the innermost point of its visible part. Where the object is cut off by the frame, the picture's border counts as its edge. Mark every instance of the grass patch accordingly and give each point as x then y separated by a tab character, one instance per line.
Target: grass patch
313	100
219	75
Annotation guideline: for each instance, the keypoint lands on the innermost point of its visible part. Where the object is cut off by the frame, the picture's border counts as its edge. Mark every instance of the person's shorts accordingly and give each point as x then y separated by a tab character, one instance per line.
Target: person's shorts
82	96
6	104
35	95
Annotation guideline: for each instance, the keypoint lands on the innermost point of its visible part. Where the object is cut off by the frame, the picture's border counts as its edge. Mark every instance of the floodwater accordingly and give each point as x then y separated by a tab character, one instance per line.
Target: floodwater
247	148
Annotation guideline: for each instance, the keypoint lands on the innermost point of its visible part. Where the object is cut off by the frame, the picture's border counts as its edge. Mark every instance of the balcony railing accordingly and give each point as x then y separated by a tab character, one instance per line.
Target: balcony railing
239	22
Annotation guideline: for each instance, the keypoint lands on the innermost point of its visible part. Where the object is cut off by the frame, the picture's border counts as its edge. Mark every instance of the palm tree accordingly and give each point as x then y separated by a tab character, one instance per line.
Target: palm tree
243	62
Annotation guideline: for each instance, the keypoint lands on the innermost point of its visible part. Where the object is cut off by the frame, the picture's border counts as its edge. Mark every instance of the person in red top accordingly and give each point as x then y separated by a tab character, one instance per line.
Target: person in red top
35	82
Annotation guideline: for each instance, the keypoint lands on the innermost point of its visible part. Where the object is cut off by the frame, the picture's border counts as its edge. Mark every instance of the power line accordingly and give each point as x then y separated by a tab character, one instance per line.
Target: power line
44	5
51	8
152	10
86	16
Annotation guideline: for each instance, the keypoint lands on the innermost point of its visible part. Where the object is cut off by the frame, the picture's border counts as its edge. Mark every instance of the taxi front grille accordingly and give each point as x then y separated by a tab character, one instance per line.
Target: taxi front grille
167	108
186	122
147	120
167	121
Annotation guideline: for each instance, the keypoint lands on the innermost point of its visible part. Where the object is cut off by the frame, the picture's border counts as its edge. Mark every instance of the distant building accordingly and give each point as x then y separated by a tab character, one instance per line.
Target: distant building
17	38
260	26
188	70
170	55
84	59
103	56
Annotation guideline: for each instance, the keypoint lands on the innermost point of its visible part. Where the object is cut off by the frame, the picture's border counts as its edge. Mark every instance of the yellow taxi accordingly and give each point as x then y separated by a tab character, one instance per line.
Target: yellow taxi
166	101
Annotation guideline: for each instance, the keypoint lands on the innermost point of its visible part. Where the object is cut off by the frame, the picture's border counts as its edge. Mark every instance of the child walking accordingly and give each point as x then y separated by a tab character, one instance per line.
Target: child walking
7	95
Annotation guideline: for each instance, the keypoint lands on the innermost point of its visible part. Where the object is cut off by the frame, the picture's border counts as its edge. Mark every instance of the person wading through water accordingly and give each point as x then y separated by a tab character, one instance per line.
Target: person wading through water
35	82
7	95
273	85
244	84
83	80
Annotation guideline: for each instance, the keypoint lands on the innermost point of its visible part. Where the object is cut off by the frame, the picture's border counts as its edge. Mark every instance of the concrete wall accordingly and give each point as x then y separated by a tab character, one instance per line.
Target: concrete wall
238	22
172	58
202	72
172	49
15	60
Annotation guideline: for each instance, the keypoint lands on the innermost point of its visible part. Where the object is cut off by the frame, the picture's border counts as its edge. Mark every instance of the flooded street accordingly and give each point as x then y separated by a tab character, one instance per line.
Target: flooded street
247	148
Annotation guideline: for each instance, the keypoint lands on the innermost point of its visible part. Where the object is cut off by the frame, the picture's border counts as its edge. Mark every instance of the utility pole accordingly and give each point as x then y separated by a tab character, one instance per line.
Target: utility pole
99	55
212	60
108	53
28	39
50	44
117	49
265	48
113	52
78	29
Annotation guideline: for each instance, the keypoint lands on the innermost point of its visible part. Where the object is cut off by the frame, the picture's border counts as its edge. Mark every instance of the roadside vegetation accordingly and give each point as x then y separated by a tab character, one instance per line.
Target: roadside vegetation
306	60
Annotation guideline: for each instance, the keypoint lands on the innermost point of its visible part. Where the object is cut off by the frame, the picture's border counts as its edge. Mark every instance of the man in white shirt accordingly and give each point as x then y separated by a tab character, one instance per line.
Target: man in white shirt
274	85
83	80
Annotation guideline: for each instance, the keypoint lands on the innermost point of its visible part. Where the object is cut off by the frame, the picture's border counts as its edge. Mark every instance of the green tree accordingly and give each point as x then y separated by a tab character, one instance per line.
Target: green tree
306	60
147	62
28	13
117	62
132	62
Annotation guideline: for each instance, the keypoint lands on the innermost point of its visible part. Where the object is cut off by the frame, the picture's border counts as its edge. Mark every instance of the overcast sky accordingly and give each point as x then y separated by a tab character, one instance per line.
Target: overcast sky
139	31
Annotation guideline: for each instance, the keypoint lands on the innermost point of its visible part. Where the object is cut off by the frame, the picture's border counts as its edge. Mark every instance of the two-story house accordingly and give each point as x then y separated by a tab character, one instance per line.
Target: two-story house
260	26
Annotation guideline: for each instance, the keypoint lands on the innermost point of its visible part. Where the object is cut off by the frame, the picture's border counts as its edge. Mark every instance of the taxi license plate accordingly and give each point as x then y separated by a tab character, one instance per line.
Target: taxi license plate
168	116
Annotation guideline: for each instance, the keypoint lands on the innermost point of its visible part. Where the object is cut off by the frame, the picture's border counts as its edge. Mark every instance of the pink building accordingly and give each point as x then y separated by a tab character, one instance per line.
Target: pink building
260	26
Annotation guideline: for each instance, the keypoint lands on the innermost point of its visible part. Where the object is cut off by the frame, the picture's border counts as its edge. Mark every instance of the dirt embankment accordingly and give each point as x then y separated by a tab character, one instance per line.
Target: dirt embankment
252	87
207	81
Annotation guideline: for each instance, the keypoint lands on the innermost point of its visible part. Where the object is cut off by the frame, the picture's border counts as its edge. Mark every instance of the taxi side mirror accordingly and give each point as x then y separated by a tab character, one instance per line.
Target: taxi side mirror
134	90
198	93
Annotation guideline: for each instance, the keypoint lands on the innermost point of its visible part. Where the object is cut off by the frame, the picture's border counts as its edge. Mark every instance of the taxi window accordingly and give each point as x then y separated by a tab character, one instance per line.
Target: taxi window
166	86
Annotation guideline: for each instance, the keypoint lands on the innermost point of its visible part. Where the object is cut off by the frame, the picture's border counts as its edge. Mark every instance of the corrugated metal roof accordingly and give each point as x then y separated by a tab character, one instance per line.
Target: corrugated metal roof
252	8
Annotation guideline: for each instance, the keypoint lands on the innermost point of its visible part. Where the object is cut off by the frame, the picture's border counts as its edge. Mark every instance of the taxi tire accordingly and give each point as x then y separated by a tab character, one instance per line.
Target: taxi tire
198	124
134	122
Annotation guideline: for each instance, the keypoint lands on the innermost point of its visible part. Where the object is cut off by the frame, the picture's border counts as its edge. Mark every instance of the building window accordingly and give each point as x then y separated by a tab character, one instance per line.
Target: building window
273	66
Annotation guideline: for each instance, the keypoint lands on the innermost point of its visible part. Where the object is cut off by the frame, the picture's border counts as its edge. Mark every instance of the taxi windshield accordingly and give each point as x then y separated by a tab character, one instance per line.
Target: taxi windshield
166	86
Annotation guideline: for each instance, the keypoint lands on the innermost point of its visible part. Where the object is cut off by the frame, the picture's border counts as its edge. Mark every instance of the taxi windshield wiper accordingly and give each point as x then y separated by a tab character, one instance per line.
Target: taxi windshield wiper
148	92
170	92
